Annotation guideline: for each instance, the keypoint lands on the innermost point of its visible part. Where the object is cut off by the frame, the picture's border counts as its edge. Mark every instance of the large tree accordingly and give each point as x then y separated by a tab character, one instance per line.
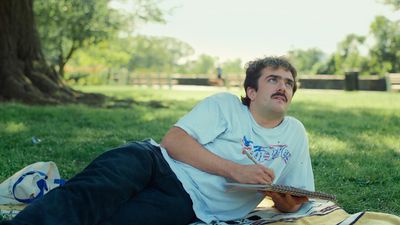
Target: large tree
24	74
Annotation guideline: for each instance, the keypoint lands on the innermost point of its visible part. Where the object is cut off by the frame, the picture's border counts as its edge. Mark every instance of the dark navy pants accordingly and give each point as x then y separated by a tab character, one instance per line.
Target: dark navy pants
129	185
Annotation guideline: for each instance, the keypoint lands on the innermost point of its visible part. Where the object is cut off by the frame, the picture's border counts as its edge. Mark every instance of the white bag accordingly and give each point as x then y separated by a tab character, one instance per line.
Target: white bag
30	183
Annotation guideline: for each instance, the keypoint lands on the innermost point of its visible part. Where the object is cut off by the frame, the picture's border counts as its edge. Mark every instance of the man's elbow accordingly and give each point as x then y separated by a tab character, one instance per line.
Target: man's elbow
165	142
171	137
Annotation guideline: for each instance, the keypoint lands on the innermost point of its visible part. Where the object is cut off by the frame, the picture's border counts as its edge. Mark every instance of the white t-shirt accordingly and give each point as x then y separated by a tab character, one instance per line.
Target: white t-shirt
224	126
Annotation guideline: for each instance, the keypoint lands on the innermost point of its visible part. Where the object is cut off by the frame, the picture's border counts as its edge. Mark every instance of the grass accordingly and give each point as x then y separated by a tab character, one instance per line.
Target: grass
353	136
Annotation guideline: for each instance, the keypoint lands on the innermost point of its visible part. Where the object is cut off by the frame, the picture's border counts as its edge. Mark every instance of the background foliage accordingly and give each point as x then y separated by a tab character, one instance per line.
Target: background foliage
68	25
95	37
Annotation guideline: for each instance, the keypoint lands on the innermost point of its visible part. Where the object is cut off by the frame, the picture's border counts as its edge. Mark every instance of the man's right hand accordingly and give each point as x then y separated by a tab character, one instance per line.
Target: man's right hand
253	174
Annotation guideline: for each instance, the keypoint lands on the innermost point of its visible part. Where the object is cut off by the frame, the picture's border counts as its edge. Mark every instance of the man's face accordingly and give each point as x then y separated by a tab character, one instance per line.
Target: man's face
275	92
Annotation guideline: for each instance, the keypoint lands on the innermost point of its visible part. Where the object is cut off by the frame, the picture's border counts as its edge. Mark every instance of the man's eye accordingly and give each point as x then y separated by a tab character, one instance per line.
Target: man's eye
289	84
272	80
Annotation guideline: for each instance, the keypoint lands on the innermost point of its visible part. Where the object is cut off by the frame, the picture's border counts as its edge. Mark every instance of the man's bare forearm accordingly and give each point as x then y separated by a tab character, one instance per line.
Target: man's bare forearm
181	146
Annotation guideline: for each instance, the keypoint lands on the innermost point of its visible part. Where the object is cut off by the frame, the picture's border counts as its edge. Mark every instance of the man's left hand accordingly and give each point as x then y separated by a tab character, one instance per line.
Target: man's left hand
287	202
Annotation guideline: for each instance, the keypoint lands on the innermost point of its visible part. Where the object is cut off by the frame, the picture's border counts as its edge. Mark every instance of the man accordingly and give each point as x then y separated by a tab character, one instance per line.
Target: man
184	179
219	72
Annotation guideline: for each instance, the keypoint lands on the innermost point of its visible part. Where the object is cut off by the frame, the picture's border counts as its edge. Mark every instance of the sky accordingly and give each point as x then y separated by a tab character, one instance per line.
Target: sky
249	29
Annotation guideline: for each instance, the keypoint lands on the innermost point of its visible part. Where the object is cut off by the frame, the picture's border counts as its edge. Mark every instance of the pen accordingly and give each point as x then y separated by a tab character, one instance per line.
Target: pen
250	157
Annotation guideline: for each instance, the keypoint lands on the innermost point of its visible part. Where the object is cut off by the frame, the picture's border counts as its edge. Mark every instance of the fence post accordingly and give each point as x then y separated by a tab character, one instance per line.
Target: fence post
226	81
169	78
148	79
351	81
159	80
388	83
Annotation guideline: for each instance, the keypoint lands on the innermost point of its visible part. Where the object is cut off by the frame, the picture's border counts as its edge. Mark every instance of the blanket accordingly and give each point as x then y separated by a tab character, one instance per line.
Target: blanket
316	212
9	211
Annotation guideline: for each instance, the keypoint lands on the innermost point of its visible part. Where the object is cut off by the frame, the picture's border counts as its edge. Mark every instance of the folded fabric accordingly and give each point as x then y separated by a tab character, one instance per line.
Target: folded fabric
30	183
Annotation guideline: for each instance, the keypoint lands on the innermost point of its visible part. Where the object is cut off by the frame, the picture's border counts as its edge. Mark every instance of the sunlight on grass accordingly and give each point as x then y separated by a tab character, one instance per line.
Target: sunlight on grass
353	166
14	127
337	99
327	144
383	140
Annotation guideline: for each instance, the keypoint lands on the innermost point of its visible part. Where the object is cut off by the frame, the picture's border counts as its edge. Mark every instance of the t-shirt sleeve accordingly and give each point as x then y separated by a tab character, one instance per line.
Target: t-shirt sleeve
205	121
299	171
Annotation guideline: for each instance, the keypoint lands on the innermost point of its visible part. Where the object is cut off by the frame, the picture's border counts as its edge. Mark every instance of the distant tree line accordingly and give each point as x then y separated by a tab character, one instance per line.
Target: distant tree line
148	54
93	36
375	54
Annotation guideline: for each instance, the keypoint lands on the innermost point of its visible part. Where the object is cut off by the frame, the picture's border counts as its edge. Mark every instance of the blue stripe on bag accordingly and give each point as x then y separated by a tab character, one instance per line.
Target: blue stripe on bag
41	184
60	182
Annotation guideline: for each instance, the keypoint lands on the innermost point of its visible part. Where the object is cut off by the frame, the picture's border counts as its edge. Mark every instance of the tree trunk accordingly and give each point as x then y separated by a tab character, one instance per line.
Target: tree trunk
24	73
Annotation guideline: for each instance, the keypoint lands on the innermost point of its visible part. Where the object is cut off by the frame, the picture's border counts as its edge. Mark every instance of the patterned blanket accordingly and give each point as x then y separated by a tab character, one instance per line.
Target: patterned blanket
9	211
315	212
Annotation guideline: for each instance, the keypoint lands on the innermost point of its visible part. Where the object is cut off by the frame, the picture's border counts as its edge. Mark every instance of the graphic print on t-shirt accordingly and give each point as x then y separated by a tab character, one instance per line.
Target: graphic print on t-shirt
265	153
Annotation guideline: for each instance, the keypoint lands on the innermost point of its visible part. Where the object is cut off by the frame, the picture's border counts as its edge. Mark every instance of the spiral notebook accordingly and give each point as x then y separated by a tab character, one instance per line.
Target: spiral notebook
281	189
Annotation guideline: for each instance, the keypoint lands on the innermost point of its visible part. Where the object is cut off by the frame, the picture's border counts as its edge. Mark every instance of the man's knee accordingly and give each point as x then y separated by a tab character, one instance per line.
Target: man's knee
127	154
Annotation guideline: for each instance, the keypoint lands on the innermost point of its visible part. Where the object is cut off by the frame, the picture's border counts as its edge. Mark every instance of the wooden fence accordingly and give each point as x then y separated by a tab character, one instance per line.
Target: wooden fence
393	82
170	80
349	81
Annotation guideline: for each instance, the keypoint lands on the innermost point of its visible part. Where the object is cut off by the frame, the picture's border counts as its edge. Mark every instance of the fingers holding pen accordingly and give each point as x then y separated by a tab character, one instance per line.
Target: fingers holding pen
264	175
267	175
254	174
270	173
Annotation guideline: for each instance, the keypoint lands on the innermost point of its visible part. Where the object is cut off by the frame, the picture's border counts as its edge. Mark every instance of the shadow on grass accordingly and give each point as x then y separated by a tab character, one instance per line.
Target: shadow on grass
125	103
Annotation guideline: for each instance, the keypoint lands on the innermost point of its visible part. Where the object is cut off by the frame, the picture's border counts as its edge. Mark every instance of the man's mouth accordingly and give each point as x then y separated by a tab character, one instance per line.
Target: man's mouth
279	96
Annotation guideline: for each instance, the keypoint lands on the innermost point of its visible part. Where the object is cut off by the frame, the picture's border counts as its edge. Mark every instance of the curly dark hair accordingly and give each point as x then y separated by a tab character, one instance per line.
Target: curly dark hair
253	72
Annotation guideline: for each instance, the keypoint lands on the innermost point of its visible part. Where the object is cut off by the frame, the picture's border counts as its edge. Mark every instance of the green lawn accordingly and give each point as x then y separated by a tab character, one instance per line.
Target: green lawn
354	136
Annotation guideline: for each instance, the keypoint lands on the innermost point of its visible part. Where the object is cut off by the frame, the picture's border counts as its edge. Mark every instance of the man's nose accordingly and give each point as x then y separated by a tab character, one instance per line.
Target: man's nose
281	85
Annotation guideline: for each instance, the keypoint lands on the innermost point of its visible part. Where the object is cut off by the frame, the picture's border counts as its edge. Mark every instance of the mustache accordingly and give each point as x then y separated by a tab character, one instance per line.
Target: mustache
279	94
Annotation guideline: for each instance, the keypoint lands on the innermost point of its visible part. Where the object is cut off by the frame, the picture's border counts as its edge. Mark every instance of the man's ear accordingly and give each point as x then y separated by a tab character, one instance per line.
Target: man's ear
251	93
